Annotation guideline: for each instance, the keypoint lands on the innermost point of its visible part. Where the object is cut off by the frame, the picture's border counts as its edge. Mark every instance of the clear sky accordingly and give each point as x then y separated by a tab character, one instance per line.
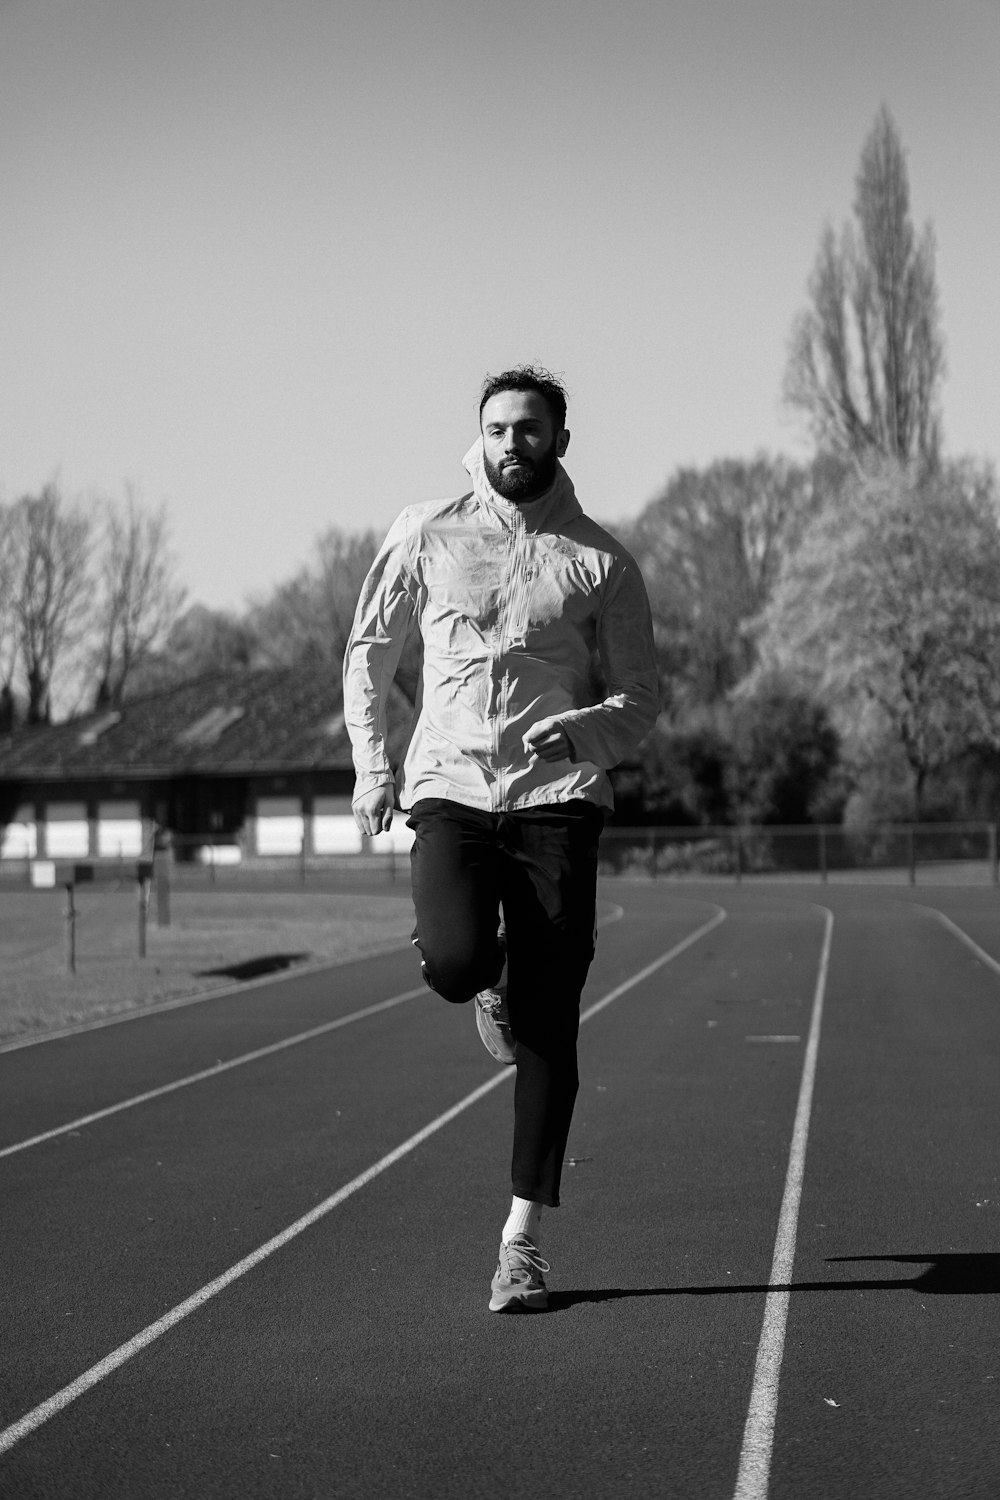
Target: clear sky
256	255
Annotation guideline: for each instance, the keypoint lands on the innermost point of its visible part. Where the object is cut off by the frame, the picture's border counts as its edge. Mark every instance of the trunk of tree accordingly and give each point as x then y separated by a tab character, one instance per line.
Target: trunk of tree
38	697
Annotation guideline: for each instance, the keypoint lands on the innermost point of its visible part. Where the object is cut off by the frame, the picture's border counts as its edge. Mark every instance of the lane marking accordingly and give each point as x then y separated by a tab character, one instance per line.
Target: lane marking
758	1434
773	1039
17	1043
319	966
614	915
963	937
214	1071
41	1413
665	958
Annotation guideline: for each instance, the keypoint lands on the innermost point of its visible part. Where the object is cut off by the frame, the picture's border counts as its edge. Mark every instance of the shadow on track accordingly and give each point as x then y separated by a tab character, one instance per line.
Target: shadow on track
254	968
952	1275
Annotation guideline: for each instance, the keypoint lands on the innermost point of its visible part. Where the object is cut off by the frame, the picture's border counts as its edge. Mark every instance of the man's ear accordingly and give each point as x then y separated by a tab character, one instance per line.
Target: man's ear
562	442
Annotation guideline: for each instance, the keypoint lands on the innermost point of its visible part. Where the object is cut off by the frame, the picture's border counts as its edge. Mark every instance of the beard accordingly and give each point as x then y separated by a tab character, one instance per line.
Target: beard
529	482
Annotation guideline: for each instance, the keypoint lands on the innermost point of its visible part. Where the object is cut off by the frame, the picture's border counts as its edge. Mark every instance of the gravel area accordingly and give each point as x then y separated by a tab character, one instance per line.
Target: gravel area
211	934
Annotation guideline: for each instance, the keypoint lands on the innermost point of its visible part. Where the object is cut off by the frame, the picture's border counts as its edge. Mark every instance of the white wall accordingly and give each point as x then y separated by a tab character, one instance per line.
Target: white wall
334	828
280	825
19	840
68	832
119	830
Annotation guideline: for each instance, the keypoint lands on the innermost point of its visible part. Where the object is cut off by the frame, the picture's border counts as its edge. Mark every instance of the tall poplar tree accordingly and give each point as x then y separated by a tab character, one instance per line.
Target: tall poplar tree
866	358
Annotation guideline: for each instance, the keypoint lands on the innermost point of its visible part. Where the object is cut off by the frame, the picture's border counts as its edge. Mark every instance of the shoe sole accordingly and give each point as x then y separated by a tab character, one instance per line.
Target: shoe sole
519	1302
489	1041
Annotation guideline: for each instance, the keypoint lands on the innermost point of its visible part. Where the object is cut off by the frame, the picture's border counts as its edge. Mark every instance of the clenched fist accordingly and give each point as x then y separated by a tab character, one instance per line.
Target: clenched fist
548	740
373	811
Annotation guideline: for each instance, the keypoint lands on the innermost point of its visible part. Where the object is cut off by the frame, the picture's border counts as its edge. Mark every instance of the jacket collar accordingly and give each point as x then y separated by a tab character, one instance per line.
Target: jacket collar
550	511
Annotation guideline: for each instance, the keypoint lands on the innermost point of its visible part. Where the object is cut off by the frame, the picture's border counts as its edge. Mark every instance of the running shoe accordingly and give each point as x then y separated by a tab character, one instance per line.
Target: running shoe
493	1024
519	1283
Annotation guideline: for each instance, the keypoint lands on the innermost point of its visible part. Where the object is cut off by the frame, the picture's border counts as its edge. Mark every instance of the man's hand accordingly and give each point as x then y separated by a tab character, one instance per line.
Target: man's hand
373	811
548	741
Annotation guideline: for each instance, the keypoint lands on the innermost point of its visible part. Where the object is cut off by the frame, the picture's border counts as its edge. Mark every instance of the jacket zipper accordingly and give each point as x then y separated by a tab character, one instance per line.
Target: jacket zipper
503	631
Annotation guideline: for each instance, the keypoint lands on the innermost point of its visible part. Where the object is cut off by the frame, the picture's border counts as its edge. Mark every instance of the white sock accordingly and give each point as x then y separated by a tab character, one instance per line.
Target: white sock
525	1217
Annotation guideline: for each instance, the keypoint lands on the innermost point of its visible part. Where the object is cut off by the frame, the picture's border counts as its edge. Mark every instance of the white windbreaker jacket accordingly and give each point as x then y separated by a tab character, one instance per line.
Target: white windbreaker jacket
517	608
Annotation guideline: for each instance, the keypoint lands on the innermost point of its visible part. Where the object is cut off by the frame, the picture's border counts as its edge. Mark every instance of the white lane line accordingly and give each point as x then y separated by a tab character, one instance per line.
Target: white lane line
180	1002
40	1414
214	1071
664	958
963	937
613	915
758	1433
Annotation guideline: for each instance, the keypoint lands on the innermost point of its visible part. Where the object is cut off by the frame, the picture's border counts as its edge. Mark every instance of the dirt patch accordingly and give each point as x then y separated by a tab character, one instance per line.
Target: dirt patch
213	937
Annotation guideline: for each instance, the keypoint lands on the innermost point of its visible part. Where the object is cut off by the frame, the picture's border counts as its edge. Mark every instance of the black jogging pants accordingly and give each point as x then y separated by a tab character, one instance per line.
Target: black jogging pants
538	867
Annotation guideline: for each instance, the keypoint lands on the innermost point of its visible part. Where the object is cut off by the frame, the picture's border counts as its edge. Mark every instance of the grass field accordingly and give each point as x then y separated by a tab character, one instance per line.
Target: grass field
211	934
227	933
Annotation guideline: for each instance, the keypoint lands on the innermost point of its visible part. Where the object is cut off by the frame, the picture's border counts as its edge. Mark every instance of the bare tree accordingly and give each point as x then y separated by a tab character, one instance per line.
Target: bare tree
199	642
866	358
308	618
710	549
8	636
138	598
47	568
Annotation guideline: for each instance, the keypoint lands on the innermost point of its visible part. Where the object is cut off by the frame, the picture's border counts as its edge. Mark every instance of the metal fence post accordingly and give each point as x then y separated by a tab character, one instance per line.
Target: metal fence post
70	915
142	885
822	854
163	891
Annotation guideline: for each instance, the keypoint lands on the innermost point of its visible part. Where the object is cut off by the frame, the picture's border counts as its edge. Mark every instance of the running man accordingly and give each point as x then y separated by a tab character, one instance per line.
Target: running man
538	677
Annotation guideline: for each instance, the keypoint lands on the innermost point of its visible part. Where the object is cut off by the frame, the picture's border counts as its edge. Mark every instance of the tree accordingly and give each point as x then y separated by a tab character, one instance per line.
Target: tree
684	772
889	613
138	598
8	634
200	641
47	549
766	756
784	752
710	549
866	358
307	620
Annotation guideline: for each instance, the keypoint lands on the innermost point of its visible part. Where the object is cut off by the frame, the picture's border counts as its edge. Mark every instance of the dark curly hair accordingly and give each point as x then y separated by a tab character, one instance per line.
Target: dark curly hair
528	378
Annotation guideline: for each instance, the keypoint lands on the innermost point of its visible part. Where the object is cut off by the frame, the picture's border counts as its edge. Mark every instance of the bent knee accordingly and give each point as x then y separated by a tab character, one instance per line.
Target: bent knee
455	977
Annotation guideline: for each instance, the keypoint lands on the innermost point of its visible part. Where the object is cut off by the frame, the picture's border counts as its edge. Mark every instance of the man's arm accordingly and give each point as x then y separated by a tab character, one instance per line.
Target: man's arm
611	730
381	621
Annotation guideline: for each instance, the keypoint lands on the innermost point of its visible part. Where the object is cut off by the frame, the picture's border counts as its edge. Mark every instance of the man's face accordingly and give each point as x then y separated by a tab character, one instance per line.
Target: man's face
521	446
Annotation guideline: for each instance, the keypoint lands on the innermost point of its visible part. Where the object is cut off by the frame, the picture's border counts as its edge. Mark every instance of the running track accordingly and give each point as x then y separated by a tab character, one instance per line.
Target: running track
776	1270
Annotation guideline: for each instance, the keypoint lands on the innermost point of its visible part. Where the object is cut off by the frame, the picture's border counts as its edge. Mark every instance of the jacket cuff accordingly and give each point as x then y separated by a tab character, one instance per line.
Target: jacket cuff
370	781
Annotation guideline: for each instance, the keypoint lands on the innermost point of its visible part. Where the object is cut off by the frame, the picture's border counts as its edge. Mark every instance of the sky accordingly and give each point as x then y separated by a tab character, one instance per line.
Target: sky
257	255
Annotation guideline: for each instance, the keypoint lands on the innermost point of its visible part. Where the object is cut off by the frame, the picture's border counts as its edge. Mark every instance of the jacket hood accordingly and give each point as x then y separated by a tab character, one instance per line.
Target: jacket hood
557	506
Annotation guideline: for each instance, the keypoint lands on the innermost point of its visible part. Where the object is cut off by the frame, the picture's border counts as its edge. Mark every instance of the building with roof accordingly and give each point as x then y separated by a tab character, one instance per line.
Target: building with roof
229	767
